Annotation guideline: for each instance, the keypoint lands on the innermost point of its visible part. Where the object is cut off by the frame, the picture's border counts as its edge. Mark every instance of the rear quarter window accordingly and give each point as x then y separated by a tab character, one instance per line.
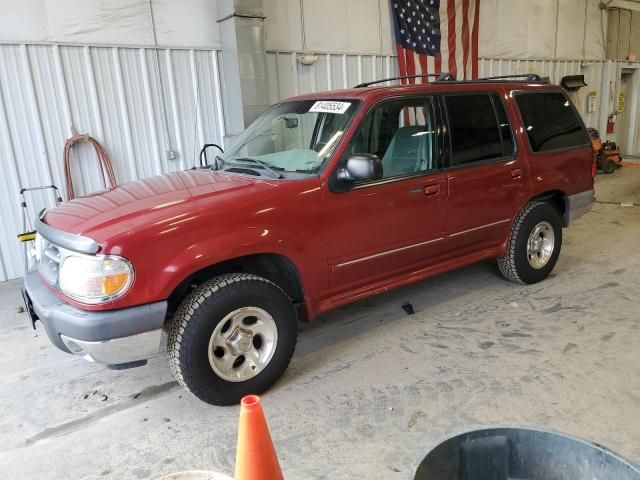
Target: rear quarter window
550	121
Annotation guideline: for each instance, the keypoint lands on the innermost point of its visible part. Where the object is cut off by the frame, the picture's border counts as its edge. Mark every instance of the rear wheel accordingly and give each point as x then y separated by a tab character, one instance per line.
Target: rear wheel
233	336
534	244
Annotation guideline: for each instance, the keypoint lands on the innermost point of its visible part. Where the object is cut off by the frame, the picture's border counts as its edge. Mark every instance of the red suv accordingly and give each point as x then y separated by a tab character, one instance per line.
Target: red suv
325	199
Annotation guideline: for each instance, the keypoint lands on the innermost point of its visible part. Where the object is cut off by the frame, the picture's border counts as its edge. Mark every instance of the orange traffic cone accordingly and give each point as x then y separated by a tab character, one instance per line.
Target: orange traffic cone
256	458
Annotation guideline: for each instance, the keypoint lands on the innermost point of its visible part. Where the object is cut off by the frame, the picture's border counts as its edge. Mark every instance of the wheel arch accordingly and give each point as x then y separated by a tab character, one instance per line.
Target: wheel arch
276	268
556	198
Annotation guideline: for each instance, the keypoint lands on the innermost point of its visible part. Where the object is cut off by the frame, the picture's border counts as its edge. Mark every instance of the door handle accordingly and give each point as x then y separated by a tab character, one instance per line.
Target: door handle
432	189
516	173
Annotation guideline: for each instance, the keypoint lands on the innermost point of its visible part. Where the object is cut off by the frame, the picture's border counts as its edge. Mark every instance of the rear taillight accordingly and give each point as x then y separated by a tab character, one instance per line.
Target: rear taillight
593	170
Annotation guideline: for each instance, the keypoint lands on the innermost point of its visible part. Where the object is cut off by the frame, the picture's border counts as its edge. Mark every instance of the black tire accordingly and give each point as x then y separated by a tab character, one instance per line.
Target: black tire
198	316
515	264
608	167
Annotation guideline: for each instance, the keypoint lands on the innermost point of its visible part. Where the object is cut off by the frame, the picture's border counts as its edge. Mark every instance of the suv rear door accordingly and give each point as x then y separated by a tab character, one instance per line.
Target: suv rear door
561	155
488	181
381	228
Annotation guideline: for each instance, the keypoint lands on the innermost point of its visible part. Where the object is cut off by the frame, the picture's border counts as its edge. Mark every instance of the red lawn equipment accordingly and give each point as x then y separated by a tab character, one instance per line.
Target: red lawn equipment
607	154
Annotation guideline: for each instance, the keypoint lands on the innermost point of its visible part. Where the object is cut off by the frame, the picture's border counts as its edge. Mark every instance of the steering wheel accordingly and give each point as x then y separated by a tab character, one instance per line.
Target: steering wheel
203	153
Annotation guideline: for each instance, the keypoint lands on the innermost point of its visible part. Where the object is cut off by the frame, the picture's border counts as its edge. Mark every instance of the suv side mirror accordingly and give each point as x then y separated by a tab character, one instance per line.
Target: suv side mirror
361	166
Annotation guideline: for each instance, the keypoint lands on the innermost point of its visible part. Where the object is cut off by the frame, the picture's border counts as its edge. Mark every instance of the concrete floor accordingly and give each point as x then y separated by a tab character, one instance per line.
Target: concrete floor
370	389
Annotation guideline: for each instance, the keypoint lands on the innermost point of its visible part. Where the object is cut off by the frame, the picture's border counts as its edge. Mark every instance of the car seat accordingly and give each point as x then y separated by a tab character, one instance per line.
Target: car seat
406	152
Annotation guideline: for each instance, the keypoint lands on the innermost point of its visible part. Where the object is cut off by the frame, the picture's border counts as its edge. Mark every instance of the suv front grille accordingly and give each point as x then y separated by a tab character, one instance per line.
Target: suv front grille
50	258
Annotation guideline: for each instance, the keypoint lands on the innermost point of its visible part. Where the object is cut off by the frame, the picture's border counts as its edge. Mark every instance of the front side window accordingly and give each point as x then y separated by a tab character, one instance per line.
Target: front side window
293	139
402	134
478	127
550	121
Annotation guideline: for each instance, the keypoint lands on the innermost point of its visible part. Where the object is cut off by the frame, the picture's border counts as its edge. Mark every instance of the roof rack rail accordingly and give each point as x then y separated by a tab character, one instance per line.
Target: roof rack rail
528	77
441	77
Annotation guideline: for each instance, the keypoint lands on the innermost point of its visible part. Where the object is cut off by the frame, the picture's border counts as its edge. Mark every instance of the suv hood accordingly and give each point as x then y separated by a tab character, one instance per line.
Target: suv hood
140	203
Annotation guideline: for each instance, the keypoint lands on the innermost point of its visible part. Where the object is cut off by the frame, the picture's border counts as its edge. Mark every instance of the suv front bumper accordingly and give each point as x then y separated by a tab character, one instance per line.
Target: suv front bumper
112	337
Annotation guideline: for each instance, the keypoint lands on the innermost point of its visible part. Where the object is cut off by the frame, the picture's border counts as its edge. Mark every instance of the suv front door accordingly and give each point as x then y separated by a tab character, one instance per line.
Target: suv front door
379	229
488	181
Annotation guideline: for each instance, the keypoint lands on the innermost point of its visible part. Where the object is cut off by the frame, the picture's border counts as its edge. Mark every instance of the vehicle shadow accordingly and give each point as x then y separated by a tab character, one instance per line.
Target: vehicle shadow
361	318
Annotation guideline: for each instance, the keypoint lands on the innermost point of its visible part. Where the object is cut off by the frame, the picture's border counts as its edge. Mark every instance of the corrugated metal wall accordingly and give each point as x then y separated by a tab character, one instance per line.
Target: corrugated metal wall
288	77
138	102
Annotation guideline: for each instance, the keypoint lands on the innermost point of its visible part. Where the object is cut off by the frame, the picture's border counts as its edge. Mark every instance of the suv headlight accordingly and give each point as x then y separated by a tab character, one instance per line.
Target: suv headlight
95	278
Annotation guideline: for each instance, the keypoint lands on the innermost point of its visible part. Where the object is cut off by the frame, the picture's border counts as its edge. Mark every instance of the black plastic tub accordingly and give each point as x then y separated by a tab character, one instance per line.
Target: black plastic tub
522	454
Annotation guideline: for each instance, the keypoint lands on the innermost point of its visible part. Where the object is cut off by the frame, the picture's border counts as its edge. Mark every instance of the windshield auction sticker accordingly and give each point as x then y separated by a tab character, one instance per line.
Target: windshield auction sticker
324	106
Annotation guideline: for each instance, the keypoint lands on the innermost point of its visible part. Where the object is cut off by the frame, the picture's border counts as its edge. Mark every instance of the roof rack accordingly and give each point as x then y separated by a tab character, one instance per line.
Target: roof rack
441	77
447	77
528	77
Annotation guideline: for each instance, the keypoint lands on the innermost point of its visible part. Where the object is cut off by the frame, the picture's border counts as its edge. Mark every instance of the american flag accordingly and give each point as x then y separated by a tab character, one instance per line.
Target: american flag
434	36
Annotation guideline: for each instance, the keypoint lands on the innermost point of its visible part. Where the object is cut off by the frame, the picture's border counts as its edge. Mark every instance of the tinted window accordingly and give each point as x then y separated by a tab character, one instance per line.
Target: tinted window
473	127
550	121
402	134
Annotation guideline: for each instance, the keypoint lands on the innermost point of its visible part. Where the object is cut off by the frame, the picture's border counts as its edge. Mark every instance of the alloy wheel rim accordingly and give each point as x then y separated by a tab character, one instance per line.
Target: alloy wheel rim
540	245
242	344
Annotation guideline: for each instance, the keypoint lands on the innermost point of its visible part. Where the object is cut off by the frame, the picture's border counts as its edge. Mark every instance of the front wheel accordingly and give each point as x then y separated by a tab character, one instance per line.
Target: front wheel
534	244
232	336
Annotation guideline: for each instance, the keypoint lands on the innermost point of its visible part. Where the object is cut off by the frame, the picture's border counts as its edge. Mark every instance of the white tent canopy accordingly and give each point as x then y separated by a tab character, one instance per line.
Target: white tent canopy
111	22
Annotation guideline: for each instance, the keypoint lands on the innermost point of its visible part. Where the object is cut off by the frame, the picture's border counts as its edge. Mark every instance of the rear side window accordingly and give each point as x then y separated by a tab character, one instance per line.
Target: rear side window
550	121
478	127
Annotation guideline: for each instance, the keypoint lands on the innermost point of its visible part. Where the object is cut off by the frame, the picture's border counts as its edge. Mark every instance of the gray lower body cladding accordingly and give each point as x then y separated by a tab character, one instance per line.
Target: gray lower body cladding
108	336
577	205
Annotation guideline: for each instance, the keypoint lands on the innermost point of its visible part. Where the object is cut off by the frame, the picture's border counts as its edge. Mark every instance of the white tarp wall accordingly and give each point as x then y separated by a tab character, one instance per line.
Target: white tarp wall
549	29
336	26
508	28
189	23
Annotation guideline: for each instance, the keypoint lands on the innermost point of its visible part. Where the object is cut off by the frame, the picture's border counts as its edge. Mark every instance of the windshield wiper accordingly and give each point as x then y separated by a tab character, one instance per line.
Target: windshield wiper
263	164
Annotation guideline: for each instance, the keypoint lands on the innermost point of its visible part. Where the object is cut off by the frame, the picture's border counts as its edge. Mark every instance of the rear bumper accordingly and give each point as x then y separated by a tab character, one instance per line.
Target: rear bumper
111	337
577	205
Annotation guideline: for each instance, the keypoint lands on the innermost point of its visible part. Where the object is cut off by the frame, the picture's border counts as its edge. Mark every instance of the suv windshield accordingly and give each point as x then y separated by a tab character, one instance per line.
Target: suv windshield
292	139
